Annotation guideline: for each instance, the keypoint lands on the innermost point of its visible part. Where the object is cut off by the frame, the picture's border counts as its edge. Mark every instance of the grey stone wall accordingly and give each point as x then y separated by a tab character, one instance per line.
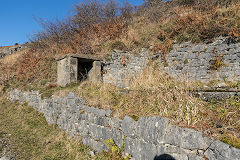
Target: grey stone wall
198	61
143	139
5	51
216	95
218	60
120	67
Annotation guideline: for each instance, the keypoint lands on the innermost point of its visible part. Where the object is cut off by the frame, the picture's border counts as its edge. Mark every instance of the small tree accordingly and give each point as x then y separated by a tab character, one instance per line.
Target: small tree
126	10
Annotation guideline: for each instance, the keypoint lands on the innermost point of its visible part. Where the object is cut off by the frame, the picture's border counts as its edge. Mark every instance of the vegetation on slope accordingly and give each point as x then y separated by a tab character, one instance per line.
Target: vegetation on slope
96	28
30	136
154	93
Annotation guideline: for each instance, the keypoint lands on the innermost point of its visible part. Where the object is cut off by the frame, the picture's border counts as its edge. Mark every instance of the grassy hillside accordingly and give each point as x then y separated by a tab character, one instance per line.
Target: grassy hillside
156	94
97	28
30	137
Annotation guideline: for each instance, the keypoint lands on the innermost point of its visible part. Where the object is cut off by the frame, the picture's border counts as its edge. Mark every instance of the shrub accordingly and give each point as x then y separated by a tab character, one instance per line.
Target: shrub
118	45
92	24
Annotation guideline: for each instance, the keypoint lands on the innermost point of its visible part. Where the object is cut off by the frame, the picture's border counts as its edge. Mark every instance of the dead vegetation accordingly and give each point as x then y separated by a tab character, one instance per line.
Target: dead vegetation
85	31
94	25
32	138
96	28
154	93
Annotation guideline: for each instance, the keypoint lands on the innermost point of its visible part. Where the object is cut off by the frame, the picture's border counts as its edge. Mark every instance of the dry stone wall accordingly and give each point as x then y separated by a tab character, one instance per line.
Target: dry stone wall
215	62
120	67
218	60
145	139
5	51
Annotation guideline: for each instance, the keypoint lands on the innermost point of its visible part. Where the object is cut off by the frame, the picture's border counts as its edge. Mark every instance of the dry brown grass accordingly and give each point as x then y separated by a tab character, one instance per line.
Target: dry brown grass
1	88
158	25
184	23
32	138
154	93
27	70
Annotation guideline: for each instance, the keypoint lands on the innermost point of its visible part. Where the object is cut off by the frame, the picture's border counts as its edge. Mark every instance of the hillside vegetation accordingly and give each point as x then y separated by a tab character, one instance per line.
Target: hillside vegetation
30	137
154	93
96	28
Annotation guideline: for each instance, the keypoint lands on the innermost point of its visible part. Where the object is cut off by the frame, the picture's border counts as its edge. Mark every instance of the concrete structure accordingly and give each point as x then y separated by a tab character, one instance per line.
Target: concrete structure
72	68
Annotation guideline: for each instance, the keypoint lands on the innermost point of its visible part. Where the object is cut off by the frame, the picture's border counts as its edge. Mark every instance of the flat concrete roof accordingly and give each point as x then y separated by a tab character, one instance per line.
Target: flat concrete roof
83	57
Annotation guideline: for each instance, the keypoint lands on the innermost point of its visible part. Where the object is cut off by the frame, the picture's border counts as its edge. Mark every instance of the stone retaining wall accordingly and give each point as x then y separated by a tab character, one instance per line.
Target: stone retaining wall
5	51
218	60
121	67
144	139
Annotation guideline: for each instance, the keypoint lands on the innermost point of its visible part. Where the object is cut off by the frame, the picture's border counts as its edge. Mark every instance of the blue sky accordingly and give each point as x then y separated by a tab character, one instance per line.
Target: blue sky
17	17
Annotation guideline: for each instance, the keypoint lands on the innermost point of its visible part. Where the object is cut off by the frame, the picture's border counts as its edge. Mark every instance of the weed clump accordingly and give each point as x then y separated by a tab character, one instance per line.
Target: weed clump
118	45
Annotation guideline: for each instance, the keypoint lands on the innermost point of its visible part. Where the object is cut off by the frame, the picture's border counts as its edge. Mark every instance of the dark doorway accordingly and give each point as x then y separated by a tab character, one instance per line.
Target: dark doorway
83	69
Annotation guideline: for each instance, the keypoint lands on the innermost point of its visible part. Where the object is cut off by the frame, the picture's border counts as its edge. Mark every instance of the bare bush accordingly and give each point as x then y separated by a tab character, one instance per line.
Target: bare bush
126	10
87	14
94	24
91	24
110	9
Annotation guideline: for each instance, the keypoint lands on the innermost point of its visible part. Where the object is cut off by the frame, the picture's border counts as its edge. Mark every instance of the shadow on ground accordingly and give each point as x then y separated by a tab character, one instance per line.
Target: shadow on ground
164	157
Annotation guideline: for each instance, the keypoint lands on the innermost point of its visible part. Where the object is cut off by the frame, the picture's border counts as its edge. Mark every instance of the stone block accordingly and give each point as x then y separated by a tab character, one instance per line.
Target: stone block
186	138
147	151
192	139
83	128
115	123
90	118
221	151
173	136
98	146
95	74
95	131
171	152
133	147
129	126
102	121
194	157
152	129
117	136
